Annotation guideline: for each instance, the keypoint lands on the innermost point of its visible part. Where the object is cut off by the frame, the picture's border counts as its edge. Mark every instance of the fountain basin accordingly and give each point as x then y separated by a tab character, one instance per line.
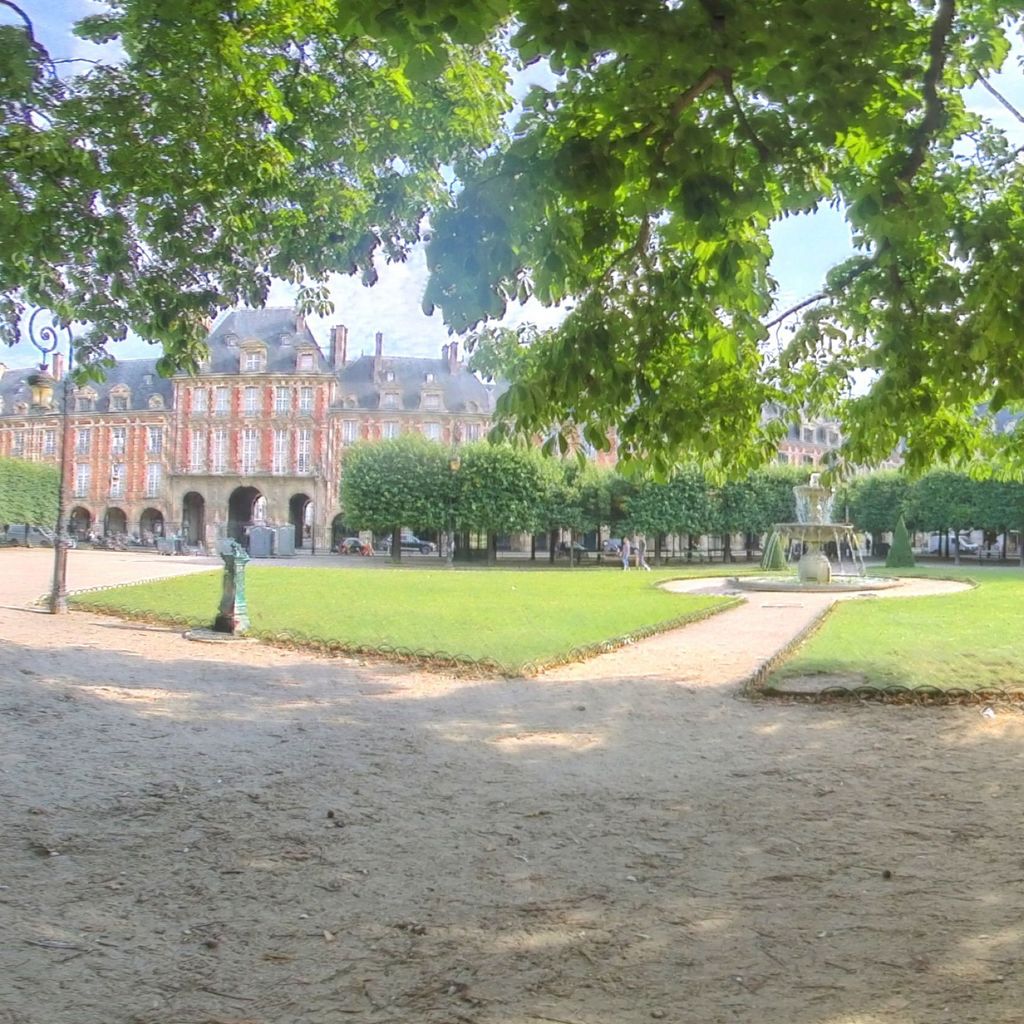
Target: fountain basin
840	583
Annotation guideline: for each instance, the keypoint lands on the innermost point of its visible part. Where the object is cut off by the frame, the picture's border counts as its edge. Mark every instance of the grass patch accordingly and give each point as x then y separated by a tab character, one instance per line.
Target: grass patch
514	620
969	640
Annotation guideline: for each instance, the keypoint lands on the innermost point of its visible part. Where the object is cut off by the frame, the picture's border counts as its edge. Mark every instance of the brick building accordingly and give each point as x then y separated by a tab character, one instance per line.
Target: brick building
258	435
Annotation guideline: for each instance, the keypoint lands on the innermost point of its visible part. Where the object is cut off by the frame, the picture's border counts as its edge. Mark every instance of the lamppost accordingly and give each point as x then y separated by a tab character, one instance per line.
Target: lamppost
453	467
45	338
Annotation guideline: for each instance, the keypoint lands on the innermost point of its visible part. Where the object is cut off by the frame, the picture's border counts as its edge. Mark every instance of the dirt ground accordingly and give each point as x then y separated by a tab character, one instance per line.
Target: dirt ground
231	834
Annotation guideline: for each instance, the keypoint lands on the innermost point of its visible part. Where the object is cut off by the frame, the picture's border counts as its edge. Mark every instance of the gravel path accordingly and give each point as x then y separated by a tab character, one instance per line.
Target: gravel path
235	834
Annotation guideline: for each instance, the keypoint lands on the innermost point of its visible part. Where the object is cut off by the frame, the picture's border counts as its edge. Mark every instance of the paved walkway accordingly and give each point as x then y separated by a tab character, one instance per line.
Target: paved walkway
725	649
729	648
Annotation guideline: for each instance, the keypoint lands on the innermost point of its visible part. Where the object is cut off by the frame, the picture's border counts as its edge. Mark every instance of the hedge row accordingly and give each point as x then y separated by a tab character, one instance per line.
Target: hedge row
28	492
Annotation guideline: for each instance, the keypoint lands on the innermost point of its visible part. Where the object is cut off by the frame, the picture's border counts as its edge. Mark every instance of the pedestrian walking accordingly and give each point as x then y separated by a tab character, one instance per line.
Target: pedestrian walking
641	553
625	552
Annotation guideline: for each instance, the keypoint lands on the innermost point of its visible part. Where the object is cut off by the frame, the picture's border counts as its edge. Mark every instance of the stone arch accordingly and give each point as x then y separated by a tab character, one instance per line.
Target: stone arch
115	523
151	525
79	522
300	515
242	509
193	518
339	531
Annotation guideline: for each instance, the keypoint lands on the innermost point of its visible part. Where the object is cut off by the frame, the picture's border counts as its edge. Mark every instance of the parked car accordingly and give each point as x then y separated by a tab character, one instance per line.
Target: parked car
410	542
18	534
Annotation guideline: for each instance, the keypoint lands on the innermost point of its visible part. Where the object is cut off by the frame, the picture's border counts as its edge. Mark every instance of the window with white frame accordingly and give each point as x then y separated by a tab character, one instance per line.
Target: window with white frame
119	402
18	442
154	440
49	442
389	430
281	446
199	400
254	360
305	361
117	480
304	454
222	401
432	431
154	478
118	440
219	451
252	401
389	400
83	472
83	440
349	431
197	450
473	431
305	400
282	400
250	449
431	401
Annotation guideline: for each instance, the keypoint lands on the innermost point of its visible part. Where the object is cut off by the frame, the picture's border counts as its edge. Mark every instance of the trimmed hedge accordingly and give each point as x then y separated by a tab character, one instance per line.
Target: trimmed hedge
28	492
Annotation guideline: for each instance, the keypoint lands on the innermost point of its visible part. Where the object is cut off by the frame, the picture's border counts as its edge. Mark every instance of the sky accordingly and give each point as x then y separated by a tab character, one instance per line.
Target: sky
806	247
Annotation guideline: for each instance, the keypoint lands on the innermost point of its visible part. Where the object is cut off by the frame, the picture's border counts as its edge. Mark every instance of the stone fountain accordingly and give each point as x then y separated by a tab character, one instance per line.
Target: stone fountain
813	530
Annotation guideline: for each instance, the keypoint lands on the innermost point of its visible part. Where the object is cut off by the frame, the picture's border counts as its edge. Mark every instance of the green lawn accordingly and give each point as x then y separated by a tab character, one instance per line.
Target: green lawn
970	640
513	619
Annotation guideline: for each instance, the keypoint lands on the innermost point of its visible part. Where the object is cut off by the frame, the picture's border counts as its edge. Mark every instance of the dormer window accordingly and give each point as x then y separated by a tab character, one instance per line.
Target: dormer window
389	400
350	402
429	378
254	360
305	362
432	401
156	402
21	407
85	401
389	375
119	399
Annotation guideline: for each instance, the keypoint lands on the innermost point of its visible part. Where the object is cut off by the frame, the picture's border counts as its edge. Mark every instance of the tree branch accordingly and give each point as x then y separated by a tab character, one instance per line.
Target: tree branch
795	309
934	111
741	115
985	84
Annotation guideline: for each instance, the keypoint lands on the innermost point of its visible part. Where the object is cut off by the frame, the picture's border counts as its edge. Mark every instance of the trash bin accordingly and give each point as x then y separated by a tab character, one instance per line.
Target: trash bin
261	542
285	541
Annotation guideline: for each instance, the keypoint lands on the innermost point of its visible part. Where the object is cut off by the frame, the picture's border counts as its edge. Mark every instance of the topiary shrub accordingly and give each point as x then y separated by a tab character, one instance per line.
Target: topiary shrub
901	555
774	558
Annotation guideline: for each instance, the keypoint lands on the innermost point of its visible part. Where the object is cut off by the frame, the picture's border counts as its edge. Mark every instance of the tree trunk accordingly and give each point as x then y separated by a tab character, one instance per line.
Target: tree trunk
726	547
492	549
658	539
552	545
396	544
533	547
572	549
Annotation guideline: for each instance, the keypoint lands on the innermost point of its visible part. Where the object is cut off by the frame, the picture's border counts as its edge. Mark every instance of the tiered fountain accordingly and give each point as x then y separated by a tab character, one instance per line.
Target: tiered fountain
813	530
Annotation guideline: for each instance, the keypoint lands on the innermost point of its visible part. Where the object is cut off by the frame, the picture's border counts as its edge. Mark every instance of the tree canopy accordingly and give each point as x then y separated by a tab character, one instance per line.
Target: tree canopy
240	141
230	143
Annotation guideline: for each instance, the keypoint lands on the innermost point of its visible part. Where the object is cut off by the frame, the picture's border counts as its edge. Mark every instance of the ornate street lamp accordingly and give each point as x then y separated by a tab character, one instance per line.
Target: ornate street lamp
454	462
45	337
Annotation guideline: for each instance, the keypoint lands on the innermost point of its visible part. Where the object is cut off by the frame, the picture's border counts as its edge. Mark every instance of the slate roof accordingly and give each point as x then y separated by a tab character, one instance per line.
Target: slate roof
460	389
138	375
275	327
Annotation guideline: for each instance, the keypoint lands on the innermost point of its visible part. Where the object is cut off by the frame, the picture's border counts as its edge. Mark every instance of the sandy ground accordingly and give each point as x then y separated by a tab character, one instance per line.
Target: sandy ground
231	834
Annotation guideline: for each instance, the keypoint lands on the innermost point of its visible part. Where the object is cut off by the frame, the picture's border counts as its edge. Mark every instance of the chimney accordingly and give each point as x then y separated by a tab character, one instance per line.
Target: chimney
444	353
300	323
339	346
378	355
453	356
58	365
